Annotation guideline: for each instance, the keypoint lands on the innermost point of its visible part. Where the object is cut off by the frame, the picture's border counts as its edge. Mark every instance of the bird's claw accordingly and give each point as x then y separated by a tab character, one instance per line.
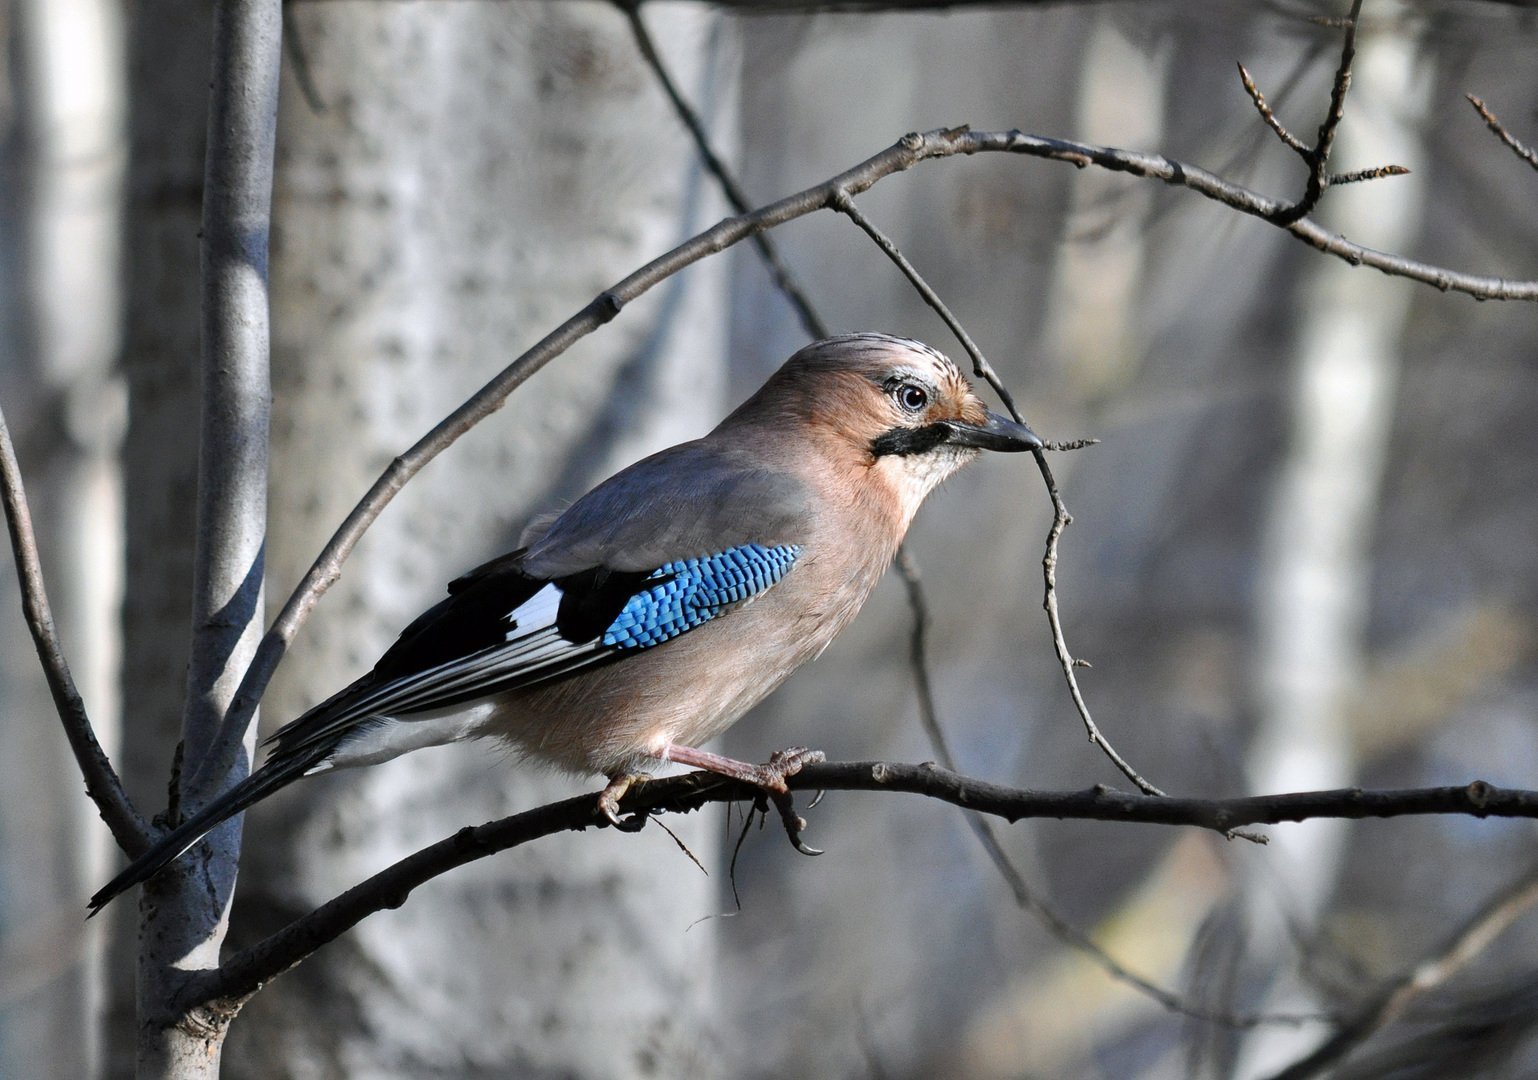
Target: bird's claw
783	764
608	802
794	823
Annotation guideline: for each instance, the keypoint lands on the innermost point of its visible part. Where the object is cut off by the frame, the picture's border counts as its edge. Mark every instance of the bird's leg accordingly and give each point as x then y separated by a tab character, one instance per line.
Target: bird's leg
770	777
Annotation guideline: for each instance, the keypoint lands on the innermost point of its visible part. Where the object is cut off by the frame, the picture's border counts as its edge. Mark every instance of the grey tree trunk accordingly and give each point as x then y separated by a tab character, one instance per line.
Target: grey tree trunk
424	239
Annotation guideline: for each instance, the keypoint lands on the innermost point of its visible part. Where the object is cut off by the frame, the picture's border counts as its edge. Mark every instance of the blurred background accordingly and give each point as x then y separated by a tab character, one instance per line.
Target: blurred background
1304	554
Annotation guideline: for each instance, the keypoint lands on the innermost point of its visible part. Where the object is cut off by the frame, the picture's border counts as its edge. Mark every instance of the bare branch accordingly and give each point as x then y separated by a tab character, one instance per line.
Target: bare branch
101	781
1391	1000
244	973
929	714
1521	149
1061	519
1025	897
844	204
1075	938
1317	157
1247	201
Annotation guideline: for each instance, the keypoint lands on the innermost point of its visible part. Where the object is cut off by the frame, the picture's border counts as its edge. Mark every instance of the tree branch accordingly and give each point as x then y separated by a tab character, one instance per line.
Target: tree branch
1319	156
101	781
245	972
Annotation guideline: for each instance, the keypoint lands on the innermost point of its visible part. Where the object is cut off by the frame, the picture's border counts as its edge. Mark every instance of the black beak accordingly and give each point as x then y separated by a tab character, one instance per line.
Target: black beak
998	433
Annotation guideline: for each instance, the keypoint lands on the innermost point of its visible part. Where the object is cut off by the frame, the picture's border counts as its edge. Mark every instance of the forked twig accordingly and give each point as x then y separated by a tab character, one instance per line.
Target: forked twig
1317	156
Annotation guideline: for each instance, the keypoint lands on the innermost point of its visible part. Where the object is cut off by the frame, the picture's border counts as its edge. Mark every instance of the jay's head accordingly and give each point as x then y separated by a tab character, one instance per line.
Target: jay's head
889	404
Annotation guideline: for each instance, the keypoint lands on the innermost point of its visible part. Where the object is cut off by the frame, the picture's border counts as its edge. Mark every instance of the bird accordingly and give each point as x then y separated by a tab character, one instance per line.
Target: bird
658	608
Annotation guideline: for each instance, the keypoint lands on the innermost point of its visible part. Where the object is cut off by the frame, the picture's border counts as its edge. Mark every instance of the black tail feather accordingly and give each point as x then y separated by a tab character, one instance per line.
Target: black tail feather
272	776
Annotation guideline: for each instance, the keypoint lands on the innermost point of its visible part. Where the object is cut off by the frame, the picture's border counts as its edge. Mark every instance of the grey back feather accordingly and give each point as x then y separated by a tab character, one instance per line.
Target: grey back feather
690	500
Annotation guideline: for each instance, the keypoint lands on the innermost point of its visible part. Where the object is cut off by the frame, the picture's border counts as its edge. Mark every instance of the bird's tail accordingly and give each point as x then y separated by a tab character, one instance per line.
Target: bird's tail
274	774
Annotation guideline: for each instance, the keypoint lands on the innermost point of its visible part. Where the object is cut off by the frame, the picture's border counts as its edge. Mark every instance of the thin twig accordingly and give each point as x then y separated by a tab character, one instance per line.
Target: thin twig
1317	157
1060	517
130	831
843	202
1360	175
1247	201
243	973
1070	935
1391	1000
1259	100
918	649
784	280
299	62
1521	149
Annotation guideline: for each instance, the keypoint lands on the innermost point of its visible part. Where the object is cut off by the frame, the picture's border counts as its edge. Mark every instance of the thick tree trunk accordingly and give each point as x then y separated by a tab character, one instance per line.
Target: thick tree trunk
425	237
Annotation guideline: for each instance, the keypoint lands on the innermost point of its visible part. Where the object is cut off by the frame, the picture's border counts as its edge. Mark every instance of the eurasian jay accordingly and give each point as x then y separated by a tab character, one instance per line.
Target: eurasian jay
659	607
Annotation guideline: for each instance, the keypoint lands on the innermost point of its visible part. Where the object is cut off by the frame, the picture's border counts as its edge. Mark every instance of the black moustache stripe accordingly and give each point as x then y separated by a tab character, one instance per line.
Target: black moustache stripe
905	440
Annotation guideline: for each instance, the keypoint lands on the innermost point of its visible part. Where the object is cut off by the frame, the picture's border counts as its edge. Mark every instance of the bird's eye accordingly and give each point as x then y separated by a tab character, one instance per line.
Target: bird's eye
911	396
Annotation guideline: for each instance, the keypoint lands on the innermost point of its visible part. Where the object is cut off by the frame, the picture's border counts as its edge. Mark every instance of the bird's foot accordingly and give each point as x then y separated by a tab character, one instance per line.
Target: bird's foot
609	797
770	777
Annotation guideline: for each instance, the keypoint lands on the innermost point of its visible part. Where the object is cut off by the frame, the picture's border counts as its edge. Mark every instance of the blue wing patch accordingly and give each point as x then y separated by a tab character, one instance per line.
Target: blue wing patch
694	591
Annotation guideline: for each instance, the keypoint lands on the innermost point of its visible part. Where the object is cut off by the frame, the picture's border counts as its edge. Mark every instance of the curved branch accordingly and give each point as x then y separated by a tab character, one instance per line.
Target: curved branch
244	973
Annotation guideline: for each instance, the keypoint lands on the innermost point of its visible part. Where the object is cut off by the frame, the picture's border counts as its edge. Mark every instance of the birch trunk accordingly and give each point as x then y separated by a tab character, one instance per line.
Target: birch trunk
460	178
